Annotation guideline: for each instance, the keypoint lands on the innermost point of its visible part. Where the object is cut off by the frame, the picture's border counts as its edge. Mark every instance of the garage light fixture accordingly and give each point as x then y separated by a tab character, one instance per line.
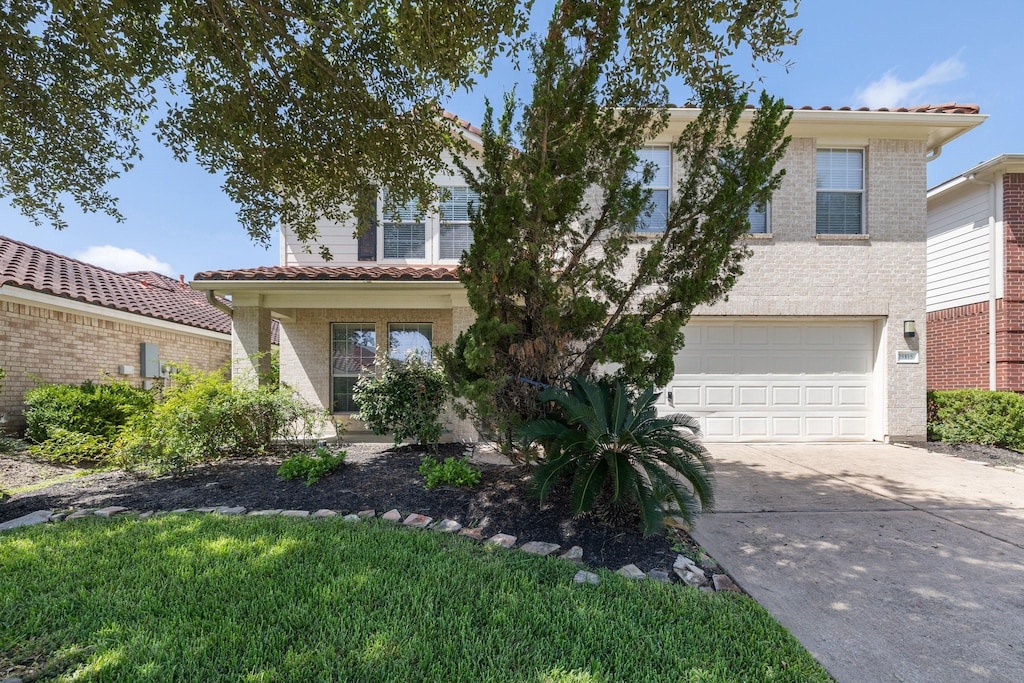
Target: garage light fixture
909	329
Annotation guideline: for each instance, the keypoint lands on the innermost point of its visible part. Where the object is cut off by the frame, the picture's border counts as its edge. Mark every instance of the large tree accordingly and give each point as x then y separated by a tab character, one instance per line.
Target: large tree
561	280
301	104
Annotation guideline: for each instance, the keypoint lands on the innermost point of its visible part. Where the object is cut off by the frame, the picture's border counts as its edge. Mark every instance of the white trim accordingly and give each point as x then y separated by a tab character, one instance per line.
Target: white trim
831	126
32	297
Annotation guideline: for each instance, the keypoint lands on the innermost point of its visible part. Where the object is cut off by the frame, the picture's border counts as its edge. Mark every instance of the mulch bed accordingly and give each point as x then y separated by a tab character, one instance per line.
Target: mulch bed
374	476
989	455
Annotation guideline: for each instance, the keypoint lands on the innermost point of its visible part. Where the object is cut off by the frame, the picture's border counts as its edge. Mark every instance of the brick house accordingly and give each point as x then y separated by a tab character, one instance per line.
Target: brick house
976	278
65	321
813	344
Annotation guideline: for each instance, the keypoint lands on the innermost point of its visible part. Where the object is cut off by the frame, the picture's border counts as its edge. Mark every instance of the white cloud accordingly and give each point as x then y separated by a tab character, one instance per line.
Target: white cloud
123	260
890	91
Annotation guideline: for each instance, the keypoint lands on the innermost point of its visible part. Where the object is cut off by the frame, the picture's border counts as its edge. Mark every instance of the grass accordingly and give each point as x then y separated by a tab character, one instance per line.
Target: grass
60	479
213	598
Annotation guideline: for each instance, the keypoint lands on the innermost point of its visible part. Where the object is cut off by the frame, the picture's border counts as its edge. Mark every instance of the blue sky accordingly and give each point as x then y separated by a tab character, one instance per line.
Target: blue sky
868	53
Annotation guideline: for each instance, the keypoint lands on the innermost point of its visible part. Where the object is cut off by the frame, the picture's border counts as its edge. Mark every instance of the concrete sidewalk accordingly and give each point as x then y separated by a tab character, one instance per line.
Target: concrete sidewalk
888	563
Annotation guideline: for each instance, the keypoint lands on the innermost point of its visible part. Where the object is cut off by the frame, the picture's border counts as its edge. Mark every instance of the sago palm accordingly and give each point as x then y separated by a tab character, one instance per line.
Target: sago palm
608	442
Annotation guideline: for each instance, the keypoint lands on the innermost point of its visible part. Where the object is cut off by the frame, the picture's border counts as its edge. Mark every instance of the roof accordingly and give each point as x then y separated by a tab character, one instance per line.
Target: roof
984	172
946	108
335	274
461	123
144	293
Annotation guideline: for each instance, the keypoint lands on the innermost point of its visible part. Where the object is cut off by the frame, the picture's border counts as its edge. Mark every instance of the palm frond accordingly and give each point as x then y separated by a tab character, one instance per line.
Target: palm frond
607	440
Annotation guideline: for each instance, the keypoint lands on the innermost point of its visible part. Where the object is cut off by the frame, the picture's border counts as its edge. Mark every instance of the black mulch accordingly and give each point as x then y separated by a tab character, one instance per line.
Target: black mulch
990	455
374	477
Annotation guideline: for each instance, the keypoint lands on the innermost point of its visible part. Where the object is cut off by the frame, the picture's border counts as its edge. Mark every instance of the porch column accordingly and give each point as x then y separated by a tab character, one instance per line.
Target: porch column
250	342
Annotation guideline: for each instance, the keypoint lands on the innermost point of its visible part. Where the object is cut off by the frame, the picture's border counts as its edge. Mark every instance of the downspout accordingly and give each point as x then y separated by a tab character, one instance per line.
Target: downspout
212	299
992	275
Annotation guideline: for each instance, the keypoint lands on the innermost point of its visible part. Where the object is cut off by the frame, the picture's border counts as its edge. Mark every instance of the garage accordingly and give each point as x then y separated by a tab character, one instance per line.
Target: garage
753	379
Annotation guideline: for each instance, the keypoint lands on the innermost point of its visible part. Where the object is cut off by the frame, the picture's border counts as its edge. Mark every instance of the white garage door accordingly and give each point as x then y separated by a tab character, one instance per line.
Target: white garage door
756	380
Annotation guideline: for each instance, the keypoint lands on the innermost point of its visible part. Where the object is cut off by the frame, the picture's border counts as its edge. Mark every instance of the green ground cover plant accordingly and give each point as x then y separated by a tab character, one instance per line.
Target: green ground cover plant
313	467
991	418
211	598
451	472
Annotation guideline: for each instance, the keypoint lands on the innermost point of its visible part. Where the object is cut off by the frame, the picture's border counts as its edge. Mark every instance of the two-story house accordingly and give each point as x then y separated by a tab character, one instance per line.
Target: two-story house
821	339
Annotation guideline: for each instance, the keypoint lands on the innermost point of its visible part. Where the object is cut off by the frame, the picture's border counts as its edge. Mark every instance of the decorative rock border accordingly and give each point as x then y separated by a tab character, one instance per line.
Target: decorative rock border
686	570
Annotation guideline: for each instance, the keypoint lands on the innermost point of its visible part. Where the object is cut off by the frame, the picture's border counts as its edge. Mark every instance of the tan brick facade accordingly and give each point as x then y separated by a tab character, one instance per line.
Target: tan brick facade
47	345
306	344
877	277
880	276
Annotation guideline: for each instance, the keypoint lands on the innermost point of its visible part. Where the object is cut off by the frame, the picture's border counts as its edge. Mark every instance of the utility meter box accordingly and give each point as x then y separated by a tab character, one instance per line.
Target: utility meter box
149	360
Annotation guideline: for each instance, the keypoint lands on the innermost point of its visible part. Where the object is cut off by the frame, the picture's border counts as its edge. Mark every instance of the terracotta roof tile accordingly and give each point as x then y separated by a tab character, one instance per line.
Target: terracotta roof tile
337	273
947	108
461	123
144	293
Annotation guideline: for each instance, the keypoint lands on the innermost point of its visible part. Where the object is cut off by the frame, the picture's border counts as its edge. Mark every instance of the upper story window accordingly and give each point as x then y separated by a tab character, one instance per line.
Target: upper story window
758	216
840	202
405	233
456	234
656	217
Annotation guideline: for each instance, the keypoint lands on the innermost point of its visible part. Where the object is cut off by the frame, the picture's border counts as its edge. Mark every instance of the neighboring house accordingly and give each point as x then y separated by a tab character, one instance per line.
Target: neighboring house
813	344
65	321
976	278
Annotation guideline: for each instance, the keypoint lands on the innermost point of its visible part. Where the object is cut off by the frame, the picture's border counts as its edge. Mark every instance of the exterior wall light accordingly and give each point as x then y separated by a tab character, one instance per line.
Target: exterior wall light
909	329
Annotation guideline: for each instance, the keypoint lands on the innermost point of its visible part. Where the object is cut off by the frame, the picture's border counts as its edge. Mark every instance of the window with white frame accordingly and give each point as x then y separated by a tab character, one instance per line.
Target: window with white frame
405	233
456	234
656	217
840	182
353	350
410	339
758	216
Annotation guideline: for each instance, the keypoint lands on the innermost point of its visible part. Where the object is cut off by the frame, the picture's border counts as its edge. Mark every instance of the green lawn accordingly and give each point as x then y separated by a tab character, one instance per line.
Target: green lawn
214	598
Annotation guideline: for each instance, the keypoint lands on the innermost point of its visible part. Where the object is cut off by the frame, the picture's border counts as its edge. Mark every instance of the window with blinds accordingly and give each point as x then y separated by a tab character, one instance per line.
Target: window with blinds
758	216
656	217
405	233
456	234
840	201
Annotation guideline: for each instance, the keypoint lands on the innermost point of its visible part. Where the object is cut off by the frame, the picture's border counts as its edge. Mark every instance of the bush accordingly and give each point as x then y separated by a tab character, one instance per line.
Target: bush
619	454
991	418
202	417
452	472
313	467
93	409
407	399
72	448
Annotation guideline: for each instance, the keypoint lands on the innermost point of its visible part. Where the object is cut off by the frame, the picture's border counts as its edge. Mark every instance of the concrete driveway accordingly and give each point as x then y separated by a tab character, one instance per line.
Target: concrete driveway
888	563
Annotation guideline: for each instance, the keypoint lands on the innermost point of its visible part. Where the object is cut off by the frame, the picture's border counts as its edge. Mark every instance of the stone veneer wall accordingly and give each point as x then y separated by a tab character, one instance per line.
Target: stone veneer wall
62	347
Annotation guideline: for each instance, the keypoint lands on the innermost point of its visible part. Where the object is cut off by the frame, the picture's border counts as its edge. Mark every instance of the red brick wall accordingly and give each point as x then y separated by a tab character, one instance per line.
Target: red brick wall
958	347
1010	316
